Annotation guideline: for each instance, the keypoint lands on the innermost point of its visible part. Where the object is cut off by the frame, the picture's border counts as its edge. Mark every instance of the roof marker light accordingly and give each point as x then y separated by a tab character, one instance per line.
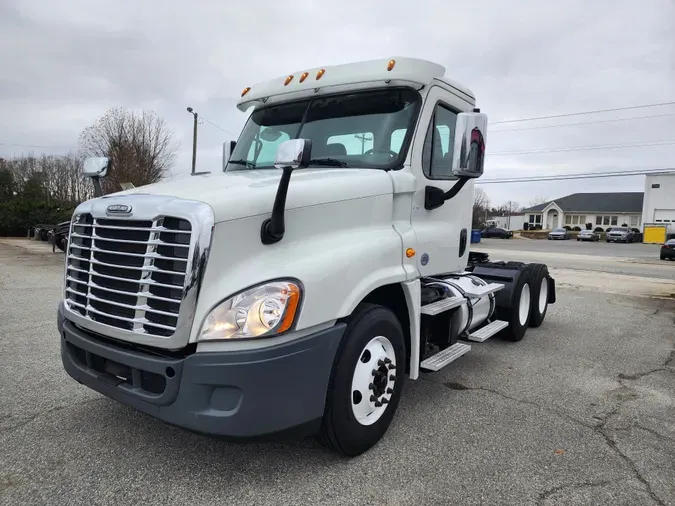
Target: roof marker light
304	76
320	73
246	90
391	64
288	80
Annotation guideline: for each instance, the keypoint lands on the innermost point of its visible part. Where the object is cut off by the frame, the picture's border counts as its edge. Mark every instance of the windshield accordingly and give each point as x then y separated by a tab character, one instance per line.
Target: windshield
619	229
369	129
560	230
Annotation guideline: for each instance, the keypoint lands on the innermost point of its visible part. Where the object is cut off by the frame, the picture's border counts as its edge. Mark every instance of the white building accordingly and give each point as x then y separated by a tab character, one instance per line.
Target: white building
602	210
659	199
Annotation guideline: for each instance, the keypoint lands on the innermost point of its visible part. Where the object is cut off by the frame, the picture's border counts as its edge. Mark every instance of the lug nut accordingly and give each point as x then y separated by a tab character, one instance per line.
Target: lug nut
387	361
390	390
384	401
371	387
392	377
378	404
373	398
392	367
380	363
374	372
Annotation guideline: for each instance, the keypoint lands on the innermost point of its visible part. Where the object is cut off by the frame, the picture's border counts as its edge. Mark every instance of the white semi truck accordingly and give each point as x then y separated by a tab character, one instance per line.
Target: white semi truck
295	292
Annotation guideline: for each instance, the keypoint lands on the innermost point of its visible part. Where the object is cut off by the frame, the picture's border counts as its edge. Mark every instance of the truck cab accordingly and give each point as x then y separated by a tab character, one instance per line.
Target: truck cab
295	291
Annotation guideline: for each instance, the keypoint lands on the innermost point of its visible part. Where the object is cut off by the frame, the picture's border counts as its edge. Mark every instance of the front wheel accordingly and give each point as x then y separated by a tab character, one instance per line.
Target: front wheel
366	381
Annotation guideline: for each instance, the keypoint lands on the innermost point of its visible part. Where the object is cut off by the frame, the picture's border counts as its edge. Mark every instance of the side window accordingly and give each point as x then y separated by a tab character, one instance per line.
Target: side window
437	151
264	148
355	144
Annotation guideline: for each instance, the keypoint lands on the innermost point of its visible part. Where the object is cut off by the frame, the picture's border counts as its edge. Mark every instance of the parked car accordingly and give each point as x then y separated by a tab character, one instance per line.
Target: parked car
588	235
623	234
559	234
668	250
500	233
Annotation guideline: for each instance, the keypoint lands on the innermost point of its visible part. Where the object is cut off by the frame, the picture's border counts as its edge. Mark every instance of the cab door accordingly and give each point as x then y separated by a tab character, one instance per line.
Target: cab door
442	233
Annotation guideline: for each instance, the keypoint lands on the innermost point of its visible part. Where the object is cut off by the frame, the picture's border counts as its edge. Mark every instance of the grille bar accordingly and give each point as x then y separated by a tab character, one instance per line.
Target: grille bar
138	229
147	295
127	273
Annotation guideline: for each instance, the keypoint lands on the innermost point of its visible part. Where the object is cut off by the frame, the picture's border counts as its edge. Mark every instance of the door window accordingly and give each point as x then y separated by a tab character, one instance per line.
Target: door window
438	144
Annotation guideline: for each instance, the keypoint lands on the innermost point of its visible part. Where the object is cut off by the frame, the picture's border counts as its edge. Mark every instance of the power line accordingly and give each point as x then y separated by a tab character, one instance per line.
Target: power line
582	113
585	175
582	123
638	144
218	127
34	146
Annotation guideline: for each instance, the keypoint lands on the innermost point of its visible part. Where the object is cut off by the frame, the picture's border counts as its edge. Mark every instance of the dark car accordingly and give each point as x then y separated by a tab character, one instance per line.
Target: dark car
588	235
559	234
668	250
500	233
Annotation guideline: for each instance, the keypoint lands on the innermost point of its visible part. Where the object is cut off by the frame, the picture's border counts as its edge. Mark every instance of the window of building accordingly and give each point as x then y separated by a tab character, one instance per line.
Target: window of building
635	220
607	220
575	219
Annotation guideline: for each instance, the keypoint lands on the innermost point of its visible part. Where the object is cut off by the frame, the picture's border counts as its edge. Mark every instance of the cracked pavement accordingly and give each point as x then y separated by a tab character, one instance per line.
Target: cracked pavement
581	412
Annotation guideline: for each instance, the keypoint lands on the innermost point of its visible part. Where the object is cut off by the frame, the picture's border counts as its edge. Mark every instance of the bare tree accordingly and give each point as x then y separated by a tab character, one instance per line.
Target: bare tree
538	200
140	147
481	204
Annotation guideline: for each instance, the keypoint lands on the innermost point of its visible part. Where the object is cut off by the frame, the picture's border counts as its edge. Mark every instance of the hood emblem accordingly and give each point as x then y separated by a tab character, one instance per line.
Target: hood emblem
118	209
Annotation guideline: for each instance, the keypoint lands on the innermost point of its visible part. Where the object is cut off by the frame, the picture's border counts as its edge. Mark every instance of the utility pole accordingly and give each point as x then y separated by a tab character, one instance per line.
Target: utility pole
194	139
363	138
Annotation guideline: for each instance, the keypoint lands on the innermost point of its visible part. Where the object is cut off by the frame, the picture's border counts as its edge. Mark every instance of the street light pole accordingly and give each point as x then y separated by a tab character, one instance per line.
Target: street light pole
194	139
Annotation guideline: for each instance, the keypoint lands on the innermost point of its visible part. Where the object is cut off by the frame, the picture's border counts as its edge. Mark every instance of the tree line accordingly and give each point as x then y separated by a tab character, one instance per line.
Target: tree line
45	189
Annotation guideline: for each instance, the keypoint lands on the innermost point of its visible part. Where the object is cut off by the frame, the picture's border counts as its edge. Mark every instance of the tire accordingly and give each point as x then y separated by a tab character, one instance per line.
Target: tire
517	325
663	257
341	430
538	275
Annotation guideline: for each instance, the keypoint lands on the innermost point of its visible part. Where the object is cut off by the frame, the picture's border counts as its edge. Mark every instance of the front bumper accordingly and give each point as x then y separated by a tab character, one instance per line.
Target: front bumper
268	392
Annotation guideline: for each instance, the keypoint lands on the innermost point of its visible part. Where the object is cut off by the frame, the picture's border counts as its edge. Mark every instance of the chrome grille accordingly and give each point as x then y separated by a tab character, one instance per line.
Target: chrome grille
129	274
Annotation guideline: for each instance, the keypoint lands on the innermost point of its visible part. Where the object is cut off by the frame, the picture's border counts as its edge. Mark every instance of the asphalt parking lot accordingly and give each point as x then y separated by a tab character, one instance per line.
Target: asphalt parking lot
581	412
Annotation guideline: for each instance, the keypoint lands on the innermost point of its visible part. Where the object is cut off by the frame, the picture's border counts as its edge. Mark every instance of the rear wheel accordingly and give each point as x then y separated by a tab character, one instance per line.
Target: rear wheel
519	314
366	381
539	276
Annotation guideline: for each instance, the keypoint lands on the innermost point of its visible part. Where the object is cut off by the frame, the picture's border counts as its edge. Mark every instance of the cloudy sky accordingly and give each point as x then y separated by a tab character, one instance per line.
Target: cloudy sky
65	62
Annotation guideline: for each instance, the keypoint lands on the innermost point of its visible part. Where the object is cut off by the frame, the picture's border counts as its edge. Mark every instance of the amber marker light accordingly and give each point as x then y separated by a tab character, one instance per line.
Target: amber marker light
320	73
292	307
410	252
288	80
246	90
304	76
391	65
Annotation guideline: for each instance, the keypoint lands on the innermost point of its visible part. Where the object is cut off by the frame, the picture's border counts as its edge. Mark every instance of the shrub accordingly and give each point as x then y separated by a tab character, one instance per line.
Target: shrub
624	225
17	215
577	229
598	229
525	226
589	226
567	227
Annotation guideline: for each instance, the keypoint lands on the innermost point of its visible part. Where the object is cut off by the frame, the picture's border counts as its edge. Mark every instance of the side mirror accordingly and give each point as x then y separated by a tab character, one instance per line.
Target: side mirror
95	166
469	144
293	154
228	147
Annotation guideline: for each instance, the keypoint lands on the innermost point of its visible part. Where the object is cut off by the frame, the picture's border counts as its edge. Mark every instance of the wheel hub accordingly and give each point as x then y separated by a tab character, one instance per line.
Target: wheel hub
374	380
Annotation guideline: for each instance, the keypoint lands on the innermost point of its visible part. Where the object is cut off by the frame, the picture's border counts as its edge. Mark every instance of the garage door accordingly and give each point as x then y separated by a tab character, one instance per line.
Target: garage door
664	216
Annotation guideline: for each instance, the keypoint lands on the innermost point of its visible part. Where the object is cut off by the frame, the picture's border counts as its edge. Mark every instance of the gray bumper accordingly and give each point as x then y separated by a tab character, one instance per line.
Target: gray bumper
243	394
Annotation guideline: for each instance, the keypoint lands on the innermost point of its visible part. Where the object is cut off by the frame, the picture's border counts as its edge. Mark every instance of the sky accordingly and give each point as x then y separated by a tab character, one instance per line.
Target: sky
65	63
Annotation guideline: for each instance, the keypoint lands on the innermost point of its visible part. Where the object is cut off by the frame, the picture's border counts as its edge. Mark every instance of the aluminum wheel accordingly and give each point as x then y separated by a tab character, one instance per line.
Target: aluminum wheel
373	381
543	295
524	307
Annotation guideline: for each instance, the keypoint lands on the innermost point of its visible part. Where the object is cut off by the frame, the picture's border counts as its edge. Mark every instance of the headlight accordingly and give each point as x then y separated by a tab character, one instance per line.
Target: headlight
265	310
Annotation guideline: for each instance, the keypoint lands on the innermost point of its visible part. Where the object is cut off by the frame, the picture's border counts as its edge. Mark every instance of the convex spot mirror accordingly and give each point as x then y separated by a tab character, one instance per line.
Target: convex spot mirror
293	154
469	144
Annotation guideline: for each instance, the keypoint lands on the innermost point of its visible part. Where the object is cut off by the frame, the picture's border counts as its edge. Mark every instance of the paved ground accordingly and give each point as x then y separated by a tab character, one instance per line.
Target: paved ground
581	412
580	258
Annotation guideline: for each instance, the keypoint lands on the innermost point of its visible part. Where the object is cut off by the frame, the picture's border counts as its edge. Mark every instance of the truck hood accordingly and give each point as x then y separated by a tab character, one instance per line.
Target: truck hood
239	194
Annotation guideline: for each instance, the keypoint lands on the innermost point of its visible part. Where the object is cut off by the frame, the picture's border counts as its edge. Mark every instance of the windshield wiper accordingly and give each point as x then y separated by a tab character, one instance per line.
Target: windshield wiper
248	164
327	162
